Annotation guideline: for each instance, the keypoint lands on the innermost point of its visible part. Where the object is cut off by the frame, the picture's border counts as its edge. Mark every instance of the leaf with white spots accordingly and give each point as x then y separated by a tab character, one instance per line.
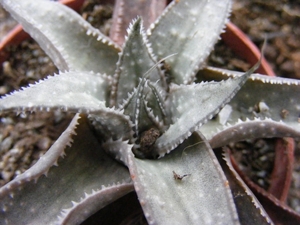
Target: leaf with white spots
136	108
135	61
193	105
70	41
264	107
200	197
85	180
189	28
72	91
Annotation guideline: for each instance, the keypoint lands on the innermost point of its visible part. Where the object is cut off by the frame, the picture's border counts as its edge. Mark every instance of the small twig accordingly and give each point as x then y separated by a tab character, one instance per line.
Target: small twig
179	177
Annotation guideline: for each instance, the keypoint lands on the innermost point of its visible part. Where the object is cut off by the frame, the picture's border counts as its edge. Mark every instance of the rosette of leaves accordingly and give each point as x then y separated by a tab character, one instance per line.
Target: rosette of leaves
140	127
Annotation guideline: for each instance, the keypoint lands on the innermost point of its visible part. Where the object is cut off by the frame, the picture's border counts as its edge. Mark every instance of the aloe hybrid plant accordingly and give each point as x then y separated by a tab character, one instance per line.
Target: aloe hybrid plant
140	127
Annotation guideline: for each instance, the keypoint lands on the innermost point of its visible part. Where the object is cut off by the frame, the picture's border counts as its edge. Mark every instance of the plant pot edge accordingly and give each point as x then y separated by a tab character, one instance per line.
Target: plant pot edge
241	44
17	34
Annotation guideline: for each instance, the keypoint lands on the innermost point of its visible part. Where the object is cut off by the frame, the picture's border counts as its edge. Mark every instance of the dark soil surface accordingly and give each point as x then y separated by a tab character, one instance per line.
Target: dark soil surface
24	138
279	22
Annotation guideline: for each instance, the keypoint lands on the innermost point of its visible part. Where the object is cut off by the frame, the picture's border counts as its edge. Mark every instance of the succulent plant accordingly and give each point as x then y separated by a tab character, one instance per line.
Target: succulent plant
147	119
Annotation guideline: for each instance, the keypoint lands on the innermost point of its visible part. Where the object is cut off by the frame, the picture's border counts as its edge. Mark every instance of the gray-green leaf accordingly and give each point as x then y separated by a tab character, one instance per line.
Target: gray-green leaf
73	91
189	28
200	197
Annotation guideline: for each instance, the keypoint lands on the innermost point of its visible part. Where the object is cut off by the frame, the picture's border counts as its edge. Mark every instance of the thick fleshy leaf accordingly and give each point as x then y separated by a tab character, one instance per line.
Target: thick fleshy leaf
136	107
249	209
193	105
195	193
135	61
83	181
250	129
146	109
70	41
72	91
264	107
112	124
189	28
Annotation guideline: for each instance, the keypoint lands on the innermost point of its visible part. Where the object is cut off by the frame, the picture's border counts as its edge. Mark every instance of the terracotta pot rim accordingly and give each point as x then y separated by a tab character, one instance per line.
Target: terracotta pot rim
17	34
241	44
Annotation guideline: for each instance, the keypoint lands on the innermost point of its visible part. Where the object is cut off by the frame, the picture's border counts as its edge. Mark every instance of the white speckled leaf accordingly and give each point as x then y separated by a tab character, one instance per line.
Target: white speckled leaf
135	60
268	107
70	41
85	180
74	91
189	28
203	197
193	105
136	108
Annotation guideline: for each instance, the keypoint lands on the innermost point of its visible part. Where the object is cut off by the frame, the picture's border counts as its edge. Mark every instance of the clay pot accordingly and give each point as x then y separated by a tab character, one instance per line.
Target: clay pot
245	48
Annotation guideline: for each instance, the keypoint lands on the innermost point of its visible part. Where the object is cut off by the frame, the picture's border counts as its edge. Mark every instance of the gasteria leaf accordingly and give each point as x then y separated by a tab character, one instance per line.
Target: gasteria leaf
183	202
271	114
73	91
183	29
